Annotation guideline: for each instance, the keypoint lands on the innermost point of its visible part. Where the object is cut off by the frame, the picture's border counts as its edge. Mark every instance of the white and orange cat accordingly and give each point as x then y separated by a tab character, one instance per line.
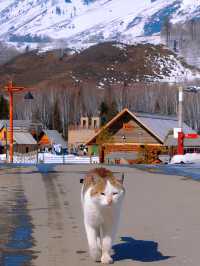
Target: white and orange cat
102	195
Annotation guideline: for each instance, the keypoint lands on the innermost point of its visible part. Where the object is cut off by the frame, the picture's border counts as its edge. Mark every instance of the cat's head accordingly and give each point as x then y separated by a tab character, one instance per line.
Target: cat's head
106	189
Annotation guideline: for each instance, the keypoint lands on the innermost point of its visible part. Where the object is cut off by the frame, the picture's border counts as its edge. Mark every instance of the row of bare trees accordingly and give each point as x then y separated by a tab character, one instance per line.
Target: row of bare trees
59	107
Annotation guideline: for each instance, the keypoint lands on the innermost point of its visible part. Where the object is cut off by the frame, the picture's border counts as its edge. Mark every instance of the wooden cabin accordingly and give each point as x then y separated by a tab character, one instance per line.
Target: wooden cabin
128	131
23	131
23	141
20	125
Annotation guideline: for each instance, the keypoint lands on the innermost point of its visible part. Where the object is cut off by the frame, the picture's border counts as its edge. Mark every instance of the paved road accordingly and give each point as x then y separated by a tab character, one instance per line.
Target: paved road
41	219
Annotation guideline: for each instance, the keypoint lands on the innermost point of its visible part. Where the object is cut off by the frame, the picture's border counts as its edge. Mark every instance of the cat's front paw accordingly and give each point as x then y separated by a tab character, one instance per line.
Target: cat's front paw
106	259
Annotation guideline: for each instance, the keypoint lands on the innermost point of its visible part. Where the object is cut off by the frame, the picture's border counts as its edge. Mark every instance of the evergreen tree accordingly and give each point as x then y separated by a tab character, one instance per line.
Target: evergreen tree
103	113
4	108
107	112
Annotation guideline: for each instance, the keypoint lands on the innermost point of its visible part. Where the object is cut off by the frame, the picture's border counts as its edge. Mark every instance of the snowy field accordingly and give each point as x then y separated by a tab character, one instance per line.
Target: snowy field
81	23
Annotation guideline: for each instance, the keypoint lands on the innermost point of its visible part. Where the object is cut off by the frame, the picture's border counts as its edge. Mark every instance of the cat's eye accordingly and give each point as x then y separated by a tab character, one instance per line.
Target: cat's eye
115	193
102	193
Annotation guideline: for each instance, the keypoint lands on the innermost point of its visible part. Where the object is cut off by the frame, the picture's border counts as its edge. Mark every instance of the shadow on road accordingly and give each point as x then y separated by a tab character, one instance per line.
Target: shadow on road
138	250
17	251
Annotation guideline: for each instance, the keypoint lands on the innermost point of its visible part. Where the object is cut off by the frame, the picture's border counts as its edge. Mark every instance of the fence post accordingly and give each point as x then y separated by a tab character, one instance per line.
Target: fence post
37	157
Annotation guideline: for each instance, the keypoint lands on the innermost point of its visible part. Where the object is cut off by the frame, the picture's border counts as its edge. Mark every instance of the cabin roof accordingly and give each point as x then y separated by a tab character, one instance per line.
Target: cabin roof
160	125
55	137
24	138
157	125
19	124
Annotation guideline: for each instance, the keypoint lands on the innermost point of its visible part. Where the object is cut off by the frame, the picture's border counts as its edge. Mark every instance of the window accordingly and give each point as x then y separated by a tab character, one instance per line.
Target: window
84	123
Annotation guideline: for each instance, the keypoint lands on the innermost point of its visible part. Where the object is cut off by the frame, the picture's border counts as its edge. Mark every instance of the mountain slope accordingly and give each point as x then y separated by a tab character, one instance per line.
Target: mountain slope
81	23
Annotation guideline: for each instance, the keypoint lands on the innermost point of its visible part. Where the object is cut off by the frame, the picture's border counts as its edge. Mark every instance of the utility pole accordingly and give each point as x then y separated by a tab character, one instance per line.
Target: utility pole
180	150
11	90
180	108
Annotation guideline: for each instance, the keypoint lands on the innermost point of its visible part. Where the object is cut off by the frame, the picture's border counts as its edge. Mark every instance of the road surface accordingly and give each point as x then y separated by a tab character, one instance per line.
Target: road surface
41	219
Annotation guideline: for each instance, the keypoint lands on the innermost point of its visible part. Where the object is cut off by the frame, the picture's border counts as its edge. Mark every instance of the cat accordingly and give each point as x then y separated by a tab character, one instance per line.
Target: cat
101	196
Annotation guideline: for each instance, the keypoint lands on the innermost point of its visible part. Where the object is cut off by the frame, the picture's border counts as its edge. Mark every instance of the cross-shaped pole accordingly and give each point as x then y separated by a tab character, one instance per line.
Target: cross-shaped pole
11	90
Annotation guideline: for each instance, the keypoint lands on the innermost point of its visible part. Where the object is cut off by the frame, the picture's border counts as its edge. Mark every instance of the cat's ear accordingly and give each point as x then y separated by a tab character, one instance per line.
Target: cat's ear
122	179
88	179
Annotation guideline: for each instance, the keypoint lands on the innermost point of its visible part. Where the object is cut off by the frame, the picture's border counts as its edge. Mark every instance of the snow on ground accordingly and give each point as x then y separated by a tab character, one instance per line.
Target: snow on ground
52	158
47	158
186	158
176	71
81	24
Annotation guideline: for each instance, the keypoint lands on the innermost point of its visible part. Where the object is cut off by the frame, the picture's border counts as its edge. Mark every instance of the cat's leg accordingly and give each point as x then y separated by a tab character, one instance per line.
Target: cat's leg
92	237
99	240
107	240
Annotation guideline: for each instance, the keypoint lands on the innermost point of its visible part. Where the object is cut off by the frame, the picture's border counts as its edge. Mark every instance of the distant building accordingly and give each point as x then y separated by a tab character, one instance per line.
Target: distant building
191	145
23	131
23	141
49	138
20	125
128	131
80	134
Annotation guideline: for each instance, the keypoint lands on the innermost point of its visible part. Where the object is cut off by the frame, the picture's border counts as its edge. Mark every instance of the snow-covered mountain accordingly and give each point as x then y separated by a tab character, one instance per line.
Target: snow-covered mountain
80	23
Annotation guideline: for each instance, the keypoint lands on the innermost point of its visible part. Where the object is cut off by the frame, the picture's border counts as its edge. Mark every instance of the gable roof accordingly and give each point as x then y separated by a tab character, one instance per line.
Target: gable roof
16	123
156	125
55	137
161	125
24	138
26	124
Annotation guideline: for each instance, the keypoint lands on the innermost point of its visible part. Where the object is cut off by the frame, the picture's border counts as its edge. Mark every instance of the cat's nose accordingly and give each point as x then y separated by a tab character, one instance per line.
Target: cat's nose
109	200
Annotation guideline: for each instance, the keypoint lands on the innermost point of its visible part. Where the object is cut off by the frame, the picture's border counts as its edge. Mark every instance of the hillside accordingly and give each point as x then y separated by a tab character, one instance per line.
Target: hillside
100	65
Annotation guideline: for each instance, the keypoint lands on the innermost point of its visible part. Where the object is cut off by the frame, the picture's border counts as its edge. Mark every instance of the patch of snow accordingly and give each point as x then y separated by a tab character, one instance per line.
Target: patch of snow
121	46
170	69
186	158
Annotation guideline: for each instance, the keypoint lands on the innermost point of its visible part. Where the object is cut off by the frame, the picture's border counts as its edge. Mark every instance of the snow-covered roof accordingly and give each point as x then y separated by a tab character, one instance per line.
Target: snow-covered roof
161	125
19	124
16	123
55	137
24	138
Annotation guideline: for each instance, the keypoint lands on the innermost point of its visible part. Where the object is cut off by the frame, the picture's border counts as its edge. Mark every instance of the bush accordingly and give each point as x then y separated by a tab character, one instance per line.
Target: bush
149	154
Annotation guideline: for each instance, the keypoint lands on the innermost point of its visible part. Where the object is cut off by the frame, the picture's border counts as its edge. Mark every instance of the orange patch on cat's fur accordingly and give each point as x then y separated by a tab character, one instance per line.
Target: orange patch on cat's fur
97	179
